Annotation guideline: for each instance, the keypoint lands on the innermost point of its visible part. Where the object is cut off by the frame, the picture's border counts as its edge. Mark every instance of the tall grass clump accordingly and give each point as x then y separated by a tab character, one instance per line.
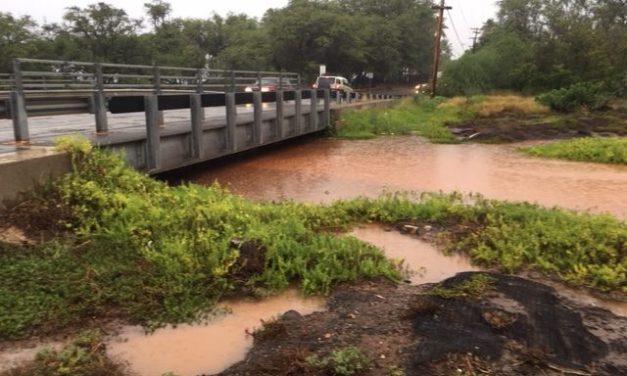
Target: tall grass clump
420	115
590	149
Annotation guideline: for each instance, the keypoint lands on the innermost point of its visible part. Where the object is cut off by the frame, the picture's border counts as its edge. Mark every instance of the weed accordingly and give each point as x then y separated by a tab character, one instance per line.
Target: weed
85	356
396	371
345	361
474	287
591	149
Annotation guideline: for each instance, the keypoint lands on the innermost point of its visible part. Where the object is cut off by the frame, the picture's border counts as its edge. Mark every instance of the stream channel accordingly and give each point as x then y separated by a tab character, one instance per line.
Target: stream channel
322	170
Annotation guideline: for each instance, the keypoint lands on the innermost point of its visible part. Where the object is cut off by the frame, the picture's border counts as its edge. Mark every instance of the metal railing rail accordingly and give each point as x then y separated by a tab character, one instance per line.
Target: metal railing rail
41	87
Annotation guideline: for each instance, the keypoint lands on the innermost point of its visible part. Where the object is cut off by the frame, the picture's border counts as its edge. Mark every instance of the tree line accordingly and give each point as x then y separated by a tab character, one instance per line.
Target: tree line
392	39
537	45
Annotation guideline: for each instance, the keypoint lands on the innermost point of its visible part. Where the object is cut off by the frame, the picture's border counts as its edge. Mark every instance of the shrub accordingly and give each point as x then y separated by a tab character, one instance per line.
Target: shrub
584	94
345	361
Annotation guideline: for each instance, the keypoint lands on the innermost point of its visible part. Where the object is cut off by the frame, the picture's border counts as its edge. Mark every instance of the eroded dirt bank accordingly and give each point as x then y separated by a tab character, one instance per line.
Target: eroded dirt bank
512	326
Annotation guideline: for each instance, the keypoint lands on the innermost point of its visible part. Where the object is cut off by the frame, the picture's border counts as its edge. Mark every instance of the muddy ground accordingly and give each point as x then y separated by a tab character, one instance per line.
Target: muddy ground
515	327
515	127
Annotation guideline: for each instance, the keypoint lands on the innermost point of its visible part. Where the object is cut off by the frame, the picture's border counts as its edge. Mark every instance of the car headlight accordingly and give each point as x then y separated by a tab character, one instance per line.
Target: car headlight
248	89
265	89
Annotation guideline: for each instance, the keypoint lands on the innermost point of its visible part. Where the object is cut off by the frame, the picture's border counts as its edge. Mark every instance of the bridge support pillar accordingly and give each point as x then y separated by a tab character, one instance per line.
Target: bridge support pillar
280	123
197	115
313	114
153	138
257	117
327	109
20	118
231	122
100	112
298	112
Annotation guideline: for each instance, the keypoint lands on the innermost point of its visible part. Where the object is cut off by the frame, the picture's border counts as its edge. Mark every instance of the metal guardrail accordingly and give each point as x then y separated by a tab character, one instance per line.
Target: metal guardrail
54	87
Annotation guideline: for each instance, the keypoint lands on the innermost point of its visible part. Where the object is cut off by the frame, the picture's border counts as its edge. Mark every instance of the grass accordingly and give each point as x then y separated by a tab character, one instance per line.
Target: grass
591	149
429	117
420	115
148	253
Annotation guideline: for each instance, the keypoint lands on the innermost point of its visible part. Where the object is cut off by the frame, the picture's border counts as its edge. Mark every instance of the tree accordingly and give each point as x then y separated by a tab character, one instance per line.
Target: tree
104	30
16	36
158	11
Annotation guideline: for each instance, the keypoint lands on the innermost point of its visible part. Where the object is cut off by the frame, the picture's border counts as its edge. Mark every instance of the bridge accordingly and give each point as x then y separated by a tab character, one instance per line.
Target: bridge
160	118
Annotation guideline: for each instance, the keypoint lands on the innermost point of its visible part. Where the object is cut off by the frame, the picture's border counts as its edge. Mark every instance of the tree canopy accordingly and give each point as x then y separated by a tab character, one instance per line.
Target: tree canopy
393	38
535	45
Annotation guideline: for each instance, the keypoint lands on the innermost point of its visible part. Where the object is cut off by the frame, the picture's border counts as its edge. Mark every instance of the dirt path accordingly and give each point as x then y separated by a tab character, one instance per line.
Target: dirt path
514	327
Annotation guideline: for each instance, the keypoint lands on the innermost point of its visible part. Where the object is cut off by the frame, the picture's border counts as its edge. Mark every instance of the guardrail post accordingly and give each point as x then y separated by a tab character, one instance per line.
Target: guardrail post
100	102
298	82
259	80
313	114
298	111
257	116
18	105
327	109
349	97
199	90
338	97
153	139
231	122
232	81
197	124
280	124
156	77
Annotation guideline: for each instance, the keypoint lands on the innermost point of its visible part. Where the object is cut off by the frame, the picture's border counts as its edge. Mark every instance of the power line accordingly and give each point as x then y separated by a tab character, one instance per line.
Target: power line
459	40
463	16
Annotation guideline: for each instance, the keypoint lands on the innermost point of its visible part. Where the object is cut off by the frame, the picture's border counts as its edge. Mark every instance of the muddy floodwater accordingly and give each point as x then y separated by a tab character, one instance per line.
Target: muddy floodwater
323	170
425	262
190	350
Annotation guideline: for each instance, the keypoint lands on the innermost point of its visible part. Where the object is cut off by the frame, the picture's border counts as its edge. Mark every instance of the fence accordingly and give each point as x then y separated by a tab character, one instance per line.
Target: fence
50	87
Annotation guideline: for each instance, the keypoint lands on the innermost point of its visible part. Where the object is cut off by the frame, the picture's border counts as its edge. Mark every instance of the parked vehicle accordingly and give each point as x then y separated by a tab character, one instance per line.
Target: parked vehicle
334	83
271	84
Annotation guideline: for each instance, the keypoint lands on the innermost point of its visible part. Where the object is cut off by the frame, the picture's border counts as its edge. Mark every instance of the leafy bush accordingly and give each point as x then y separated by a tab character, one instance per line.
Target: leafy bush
580	95
590	149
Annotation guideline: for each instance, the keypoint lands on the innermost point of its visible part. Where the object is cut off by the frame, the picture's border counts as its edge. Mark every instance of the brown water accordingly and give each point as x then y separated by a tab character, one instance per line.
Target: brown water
323	170
427	264
430	265
189	350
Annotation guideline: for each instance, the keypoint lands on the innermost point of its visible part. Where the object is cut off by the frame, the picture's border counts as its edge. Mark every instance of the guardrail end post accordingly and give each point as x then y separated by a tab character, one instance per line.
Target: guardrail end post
100	111
313	114
153	138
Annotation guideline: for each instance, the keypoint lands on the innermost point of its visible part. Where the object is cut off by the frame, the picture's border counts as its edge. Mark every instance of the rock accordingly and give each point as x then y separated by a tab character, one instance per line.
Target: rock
409	229
292	315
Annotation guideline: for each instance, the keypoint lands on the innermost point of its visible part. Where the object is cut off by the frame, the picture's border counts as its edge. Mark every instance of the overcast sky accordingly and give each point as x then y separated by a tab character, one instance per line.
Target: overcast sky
465	14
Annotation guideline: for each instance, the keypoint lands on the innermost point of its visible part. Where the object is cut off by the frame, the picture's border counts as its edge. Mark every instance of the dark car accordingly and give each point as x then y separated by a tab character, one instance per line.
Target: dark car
271	84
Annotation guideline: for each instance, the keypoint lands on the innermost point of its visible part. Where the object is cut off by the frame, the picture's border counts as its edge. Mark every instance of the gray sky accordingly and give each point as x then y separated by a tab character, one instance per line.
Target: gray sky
465	15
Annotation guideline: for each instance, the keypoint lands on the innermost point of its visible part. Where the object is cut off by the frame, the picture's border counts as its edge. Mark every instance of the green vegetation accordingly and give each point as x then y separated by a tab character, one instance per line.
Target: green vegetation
538	45
580	95
475	287
85	356
591	149
137	249
421	115
150	253
345	361
350	37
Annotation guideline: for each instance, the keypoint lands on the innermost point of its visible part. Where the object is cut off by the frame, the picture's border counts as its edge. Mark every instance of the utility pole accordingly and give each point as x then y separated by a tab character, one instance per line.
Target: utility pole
436	46
476	31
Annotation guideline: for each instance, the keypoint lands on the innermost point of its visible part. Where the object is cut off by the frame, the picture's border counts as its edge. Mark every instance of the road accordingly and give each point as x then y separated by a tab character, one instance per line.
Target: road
43	130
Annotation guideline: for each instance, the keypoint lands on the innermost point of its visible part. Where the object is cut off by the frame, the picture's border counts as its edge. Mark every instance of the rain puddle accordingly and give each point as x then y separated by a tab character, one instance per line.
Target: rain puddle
427	264
190	350
430	265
